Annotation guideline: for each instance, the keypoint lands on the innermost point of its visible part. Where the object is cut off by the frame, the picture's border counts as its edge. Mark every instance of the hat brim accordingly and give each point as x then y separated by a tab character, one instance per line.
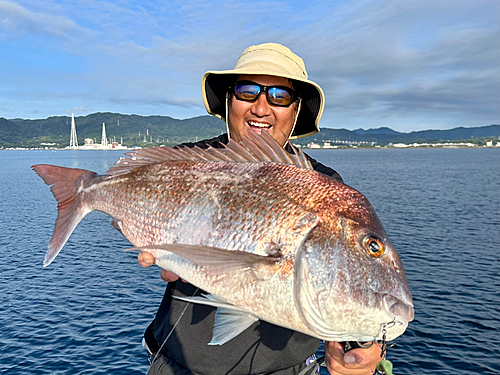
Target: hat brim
214	85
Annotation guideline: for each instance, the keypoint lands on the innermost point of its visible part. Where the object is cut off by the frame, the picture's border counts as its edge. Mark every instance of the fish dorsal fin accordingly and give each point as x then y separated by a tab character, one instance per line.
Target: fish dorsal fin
257	148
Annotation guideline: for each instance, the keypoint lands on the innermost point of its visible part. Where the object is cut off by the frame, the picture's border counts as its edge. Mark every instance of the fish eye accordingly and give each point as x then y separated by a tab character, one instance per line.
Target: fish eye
373	246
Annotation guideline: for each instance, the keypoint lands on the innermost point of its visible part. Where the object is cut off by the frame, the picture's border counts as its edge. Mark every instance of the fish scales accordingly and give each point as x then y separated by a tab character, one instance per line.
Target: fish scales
269	241
180	203
202	209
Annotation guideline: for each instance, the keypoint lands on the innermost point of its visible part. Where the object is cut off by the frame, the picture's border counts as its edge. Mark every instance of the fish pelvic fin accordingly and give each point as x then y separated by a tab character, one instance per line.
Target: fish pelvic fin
64	184
229	321
256	148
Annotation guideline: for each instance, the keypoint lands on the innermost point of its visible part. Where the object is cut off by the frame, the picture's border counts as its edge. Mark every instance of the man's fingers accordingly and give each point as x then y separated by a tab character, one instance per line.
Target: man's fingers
169	276
354	362
146	259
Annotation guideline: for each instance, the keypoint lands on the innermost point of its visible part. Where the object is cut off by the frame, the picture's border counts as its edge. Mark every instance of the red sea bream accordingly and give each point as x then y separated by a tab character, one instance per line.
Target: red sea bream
260	231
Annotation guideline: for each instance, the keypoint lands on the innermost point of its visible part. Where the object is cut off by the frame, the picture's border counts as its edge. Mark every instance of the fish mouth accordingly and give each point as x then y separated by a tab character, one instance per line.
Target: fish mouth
402	311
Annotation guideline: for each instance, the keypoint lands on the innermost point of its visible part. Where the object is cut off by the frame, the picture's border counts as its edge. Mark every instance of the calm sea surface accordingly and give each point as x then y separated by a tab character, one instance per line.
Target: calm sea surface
86	313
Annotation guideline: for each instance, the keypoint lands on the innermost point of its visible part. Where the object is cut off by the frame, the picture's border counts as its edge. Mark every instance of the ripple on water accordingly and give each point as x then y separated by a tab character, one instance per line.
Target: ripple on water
86	312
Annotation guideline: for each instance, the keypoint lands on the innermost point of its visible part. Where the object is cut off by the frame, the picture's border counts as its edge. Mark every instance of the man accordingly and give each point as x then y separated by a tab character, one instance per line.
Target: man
268	90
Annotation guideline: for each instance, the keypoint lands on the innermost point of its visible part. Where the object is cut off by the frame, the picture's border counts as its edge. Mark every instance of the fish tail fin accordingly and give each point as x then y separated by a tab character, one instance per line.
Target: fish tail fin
64	183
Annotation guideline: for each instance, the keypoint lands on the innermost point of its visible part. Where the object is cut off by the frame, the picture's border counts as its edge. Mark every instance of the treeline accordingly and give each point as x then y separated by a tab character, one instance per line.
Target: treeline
384	136
132	130
135	130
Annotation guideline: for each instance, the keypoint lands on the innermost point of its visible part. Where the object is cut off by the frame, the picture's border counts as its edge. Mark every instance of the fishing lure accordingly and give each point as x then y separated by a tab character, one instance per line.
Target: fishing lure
384	366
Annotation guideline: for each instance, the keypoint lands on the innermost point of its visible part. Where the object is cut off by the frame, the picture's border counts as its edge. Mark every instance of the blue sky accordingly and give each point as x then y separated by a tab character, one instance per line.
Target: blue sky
409	65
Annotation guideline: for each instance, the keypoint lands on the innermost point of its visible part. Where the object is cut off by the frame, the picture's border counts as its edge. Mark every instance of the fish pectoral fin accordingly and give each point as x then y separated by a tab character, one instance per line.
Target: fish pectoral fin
230	320
215	261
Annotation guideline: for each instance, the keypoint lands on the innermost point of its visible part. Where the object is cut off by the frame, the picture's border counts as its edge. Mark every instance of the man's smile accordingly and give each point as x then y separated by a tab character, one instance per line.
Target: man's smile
258	126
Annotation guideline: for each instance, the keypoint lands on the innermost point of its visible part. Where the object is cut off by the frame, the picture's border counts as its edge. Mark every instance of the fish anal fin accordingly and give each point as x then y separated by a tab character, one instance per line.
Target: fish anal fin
229	324
229	321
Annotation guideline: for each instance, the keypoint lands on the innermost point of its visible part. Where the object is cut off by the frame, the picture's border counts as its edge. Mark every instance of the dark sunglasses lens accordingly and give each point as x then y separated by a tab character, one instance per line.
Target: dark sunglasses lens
276	95
247	92
280	97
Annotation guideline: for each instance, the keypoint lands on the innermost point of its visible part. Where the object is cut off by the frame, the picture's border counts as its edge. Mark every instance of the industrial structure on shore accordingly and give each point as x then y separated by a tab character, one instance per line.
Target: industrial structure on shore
90	144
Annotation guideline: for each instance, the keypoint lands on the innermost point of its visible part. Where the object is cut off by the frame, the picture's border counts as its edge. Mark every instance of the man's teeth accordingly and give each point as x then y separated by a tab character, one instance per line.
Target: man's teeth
258	124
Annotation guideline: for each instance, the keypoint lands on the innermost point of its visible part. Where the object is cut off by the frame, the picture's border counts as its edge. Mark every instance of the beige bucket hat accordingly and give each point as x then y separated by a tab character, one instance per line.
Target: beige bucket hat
268	59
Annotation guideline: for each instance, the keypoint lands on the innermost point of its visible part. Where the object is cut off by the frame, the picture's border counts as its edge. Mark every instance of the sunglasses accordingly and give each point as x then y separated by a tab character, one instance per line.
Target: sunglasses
249	91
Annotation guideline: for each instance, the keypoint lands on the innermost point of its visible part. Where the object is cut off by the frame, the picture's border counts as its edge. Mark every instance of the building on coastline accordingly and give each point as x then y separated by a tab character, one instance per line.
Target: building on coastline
73	141
90	144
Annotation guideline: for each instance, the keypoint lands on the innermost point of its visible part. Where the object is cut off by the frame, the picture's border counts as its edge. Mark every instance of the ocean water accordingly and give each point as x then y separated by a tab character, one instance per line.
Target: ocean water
86	312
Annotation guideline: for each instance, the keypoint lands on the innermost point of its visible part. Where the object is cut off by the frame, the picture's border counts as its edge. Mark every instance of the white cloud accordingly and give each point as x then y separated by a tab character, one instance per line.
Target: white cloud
374	58
77	110
19	20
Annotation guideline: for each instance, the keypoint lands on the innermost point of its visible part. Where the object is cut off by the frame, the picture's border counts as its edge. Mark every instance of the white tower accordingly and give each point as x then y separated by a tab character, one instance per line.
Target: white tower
73	141
104	139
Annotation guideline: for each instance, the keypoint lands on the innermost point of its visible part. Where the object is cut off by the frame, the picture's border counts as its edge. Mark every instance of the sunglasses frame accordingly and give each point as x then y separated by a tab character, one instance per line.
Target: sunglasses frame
294	95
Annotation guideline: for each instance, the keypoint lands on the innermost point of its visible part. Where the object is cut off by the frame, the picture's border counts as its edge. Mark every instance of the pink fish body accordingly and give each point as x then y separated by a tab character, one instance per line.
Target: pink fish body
267	237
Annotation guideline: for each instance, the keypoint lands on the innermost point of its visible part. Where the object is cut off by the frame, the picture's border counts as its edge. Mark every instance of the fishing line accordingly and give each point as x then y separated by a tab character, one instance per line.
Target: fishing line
158	353
384	366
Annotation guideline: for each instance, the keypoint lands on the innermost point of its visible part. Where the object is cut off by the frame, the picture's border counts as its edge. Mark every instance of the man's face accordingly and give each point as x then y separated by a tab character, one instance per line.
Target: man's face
260	115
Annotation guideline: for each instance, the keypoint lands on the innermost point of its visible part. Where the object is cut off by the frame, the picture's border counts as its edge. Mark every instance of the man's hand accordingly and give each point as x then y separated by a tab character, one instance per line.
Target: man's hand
354	362
146	260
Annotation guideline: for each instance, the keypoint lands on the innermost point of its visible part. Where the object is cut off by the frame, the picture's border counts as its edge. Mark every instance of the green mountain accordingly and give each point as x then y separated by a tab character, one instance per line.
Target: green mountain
135	130
384	136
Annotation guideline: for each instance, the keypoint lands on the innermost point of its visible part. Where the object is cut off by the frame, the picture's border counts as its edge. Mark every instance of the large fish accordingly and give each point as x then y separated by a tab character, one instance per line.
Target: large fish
255	227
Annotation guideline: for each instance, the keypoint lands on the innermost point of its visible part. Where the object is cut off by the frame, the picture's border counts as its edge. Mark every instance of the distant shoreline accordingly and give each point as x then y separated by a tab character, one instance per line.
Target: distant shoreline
452	147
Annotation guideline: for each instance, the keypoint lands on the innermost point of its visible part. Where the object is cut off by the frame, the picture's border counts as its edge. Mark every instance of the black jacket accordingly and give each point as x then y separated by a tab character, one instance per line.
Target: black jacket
262	348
